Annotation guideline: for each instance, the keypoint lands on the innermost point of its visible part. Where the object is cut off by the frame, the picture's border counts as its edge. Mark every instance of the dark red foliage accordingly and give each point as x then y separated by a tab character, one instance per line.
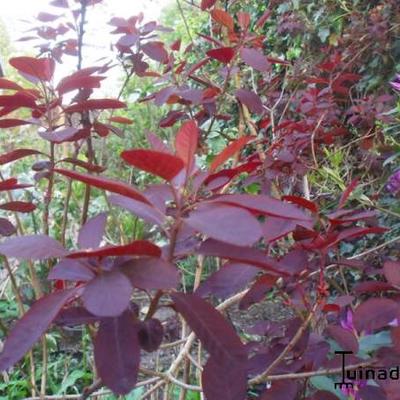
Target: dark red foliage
249	206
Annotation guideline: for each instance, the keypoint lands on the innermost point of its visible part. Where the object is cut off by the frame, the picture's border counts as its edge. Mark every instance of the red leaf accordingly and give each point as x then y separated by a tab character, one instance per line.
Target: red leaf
157	163
347	192
224	380
32	247
147	212
9	85
344	216
243	20
229	151
302	202
84	164
18	206
105	184
223	54
107	295
31	327
15	101
176	45
121	120
251	100
205	4
6	227
151	273
40	68
137	248
392	272
156	51
150	334
11	184
352	233
375	314
229	279
260	23
228	224
16	155
223	18
215	333
186	143
74	82
241	254
255	59
95	104
12	122
92	232
264	204
117	353
343	337
70	270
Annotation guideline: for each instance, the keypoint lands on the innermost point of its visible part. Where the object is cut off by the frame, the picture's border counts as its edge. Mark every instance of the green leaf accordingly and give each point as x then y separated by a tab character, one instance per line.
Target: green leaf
71	380
325	383
370	343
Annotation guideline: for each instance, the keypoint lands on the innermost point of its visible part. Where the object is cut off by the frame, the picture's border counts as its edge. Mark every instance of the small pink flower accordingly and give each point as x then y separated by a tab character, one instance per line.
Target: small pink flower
396	83
353	393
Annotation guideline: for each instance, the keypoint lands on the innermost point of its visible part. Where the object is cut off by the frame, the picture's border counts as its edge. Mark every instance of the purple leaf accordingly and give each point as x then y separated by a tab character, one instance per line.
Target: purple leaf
151	273
32	247
117	353
108	294
241	254
150	333
281	390
392	272
295	261
63	135
224	380
251	100
156	143
217	335
230	278
147	212
343	337
257	291
71	270
226	223
6	227
370	392
75	316
265	205
159	195
92	232
255	59
31	327
275	228
156	51
375	314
